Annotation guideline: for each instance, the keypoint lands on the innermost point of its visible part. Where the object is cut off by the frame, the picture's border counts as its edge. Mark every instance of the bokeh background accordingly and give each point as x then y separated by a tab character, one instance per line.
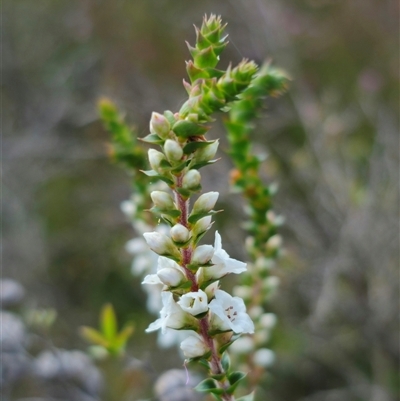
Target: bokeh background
333	148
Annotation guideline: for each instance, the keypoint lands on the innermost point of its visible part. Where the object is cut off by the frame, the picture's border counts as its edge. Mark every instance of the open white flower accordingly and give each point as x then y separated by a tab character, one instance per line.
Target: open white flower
194	302
194	346
172	316
229	313
222	264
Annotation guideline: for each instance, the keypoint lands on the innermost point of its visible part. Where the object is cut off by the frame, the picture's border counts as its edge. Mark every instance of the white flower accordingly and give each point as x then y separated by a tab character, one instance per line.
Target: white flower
264	357
172	316
268	320
152	279
202	254
194	302
194	346
223	264
229	313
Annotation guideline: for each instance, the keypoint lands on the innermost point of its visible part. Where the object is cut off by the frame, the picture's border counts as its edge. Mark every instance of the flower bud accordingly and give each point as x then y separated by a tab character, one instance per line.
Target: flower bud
205	202
155	158
163	200
242	345
159	125
202	254
161	244
180	233
268	320
191	180
274	242
193	346
202	225
264	357
207	153
173	150
170	276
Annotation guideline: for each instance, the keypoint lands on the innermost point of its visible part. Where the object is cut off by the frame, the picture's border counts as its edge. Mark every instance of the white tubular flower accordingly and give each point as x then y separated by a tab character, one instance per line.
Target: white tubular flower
264	357
180	233
205	202
202	254
163	200
172	316
155	158
194	302
159	125
194	346
161	244
229	313
191	179
171	277
223	264
173	150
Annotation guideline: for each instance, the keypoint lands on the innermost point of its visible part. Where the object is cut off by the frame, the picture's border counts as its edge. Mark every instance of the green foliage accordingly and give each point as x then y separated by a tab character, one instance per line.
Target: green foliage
108	336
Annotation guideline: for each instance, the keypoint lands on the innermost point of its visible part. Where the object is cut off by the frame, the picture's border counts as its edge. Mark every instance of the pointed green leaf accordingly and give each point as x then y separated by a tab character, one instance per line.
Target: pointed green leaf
108	322
153	139
186	128
191	147
234	379
93	336
209	386
226	362
249	397
123	336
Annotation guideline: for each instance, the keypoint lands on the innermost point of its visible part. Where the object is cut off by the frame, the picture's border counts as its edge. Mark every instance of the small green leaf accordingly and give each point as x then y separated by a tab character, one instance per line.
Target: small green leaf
195	217
185	128
191	147
209	386
123	336
153	139
226	362
234	379
108	322
93	336
249	397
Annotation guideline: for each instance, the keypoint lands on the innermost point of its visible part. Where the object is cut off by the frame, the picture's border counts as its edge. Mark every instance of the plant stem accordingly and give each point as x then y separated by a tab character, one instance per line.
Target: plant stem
215	362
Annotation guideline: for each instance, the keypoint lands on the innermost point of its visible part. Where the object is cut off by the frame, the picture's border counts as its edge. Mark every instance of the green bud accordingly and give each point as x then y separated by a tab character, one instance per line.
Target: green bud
173	150
155	158
205	203
191	180
159	125
180	233
163	200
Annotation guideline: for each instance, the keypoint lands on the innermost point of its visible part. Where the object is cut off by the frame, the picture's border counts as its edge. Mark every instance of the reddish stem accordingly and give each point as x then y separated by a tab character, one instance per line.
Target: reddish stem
215	362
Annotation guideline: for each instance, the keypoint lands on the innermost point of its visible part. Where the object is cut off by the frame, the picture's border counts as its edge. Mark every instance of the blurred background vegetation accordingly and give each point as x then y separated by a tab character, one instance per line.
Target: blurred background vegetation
333	149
